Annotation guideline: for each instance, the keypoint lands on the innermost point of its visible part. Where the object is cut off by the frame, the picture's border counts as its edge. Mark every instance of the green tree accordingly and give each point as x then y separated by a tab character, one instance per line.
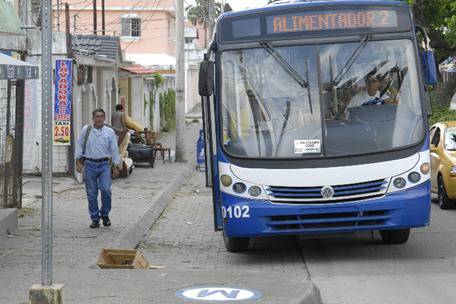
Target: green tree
168	110
438	18
198	14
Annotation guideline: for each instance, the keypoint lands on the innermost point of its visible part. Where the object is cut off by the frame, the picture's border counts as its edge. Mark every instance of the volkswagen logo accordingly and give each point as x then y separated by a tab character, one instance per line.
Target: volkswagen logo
327	192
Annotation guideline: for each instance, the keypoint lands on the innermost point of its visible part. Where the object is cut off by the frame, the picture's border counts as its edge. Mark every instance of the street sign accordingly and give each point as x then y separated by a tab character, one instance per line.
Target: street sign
218	293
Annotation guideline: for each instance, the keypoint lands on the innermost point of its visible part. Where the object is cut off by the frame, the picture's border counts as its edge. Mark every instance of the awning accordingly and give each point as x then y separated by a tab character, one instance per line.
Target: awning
151	60
138	69
11	68
9	21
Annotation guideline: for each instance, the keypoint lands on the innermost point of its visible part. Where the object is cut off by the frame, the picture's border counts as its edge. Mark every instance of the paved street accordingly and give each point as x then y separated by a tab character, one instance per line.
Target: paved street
358	270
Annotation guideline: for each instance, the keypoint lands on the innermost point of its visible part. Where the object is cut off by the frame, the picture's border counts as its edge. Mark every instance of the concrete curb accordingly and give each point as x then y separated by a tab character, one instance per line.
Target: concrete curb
309	295
8	220
135	232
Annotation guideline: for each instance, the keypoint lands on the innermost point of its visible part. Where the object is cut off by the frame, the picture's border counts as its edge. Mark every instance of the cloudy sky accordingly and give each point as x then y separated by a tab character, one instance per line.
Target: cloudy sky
240	4
243	4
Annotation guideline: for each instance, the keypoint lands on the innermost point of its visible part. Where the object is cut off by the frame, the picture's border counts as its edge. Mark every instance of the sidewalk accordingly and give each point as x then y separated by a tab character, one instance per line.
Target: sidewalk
136	200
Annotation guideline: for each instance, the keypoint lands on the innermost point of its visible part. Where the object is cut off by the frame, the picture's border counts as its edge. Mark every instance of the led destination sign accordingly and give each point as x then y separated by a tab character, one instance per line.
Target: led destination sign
321	21
300	23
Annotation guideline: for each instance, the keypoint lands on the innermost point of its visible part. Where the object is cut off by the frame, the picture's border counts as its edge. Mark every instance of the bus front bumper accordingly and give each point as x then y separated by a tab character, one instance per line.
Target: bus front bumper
250	218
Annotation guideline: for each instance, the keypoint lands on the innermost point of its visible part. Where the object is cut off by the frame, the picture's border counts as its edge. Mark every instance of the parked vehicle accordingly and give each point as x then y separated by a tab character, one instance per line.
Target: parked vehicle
443	163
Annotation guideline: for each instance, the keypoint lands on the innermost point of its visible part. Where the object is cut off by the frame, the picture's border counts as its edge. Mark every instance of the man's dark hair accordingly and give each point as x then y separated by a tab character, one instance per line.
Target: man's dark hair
371	75
99	110
119	107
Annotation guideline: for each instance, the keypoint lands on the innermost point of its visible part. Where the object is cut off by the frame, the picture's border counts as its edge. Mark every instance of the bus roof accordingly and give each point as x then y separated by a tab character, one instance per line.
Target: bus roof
312	3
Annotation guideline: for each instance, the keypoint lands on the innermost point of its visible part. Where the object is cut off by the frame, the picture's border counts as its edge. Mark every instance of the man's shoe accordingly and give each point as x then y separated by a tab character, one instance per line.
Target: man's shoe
95	224
106	221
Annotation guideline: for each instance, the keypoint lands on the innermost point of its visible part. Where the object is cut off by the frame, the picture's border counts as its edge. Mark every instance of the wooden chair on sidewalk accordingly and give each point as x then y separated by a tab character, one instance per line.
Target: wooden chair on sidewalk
157	147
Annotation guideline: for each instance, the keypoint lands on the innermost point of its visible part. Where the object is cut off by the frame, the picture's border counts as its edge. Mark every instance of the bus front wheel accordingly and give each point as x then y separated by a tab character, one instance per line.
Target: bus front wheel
399	236
236	244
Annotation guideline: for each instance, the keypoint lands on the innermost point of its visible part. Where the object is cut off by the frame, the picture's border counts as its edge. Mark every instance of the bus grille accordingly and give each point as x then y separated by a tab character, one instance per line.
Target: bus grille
342	193
309	222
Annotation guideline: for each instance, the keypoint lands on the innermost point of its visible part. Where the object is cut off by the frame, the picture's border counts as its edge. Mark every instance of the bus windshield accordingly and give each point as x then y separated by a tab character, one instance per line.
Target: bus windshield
358	98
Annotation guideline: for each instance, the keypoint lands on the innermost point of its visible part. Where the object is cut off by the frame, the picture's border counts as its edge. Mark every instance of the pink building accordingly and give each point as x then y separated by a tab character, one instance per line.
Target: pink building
146	28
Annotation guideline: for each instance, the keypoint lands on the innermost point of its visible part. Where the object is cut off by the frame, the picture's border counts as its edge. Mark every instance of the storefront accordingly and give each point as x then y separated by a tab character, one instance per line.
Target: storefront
13	74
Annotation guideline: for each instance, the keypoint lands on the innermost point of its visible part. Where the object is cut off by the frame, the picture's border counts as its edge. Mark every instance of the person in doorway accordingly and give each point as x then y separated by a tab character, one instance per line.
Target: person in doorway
119	124
96	150
118	119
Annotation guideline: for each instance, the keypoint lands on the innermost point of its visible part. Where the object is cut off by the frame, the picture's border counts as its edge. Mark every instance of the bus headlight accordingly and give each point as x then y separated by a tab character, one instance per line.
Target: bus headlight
399	183
414	177
226	180
255	191
425	168
239	188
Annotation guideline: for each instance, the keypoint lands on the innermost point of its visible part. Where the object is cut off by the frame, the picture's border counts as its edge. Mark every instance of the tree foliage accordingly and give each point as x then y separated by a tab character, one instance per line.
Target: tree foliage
198	13
168	110
438	18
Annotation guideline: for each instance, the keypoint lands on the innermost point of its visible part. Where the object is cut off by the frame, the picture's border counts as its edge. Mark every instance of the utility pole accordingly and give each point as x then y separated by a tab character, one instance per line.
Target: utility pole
67	30
103	24
24	12
74	23
180	82
46	96
211	13
58	15
94	17
46	292
69	46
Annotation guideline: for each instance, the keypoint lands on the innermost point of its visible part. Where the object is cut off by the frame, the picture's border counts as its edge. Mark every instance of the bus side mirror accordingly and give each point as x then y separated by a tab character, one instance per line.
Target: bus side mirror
427	58
206	78
430	70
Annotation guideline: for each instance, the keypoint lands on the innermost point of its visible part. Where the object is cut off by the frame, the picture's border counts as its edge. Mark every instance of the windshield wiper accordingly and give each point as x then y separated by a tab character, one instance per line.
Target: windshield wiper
351	60
285	65
289	69
285	122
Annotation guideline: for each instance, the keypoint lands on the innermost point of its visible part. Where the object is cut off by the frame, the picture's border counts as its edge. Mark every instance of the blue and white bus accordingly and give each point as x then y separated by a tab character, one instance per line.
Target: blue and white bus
315	118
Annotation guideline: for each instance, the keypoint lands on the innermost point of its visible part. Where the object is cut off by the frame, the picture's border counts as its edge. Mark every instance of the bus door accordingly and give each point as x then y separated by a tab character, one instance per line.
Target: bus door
206	89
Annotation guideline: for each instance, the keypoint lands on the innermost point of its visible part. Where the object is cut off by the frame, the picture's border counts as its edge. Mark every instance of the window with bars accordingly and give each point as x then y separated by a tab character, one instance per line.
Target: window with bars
171	28
131	27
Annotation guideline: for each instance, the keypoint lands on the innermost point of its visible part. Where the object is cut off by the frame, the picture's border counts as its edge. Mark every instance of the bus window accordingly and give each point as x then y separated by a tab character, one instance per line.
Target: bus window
377	99
265	106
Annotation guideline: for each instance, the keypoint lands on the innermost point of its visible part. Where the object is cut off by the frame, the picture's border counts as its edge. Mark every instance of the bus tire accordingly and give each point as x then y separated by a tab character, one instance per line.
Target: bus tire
398	236
236	244
442	198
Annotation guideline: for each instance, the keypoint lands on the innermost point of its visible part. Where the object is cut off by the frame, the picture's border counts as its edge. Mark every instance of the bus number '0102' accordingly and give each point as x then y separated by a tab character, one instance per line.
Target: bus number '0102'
236	212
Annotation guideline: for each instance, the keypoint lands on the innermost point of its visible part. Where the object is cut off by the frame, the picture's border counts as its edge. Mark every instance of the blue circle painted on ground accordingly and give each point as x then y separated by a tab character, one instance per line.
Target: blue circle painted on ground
218	293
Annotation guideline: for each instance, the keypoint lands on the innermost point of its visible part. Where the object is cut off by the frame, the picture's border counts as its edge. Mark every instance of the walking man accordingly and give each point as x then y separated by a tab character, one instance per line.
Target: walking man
96	149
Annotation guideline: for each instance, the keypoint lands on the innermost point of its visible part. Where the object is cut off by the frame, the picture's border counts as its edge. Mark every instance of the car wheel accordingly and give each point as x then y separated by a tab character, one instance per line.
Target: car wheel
236	244
442	198
398	236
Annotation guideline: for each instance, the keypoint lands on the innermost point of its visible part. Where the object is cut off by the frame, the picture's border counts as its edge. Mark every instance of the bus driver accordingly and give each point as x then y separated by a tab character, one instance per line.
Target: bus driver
375	90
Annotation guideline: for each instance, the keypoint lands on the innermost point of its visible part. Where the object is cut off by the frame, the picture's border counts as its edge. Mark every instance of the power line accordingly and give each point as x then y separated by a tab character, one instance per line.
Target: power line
75	14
